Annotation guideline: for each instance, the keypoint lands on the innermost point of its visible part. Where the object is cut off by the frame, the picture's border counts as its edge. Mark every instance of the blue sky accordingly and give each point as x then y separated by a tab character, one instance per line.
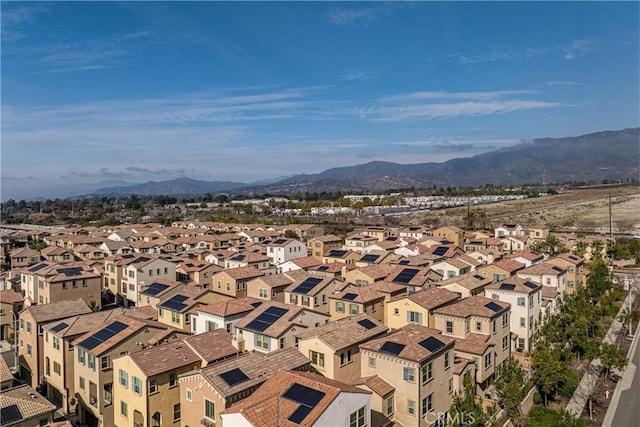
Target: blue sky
243	91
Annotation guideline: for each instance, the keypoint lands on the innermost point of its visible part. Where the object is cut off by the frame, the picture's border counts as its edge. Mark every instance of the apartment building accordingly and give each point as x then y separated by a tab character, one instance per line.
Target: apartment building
175	308
481	328
23	406
222	314
466	285
301	398
24	257
312	291
206	392
418	362
198	272
11	303
500	270
417	307
576	271
546	274
233	282
451	233
31	335
283	250
321	244
143	270
334	348
525	298
269	288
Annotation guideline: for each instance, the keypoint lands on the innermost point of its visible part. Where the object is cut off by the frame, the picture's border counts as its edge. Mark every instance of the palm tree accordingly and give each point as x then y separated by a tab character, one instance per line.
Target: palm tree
580	249
596	249
553	244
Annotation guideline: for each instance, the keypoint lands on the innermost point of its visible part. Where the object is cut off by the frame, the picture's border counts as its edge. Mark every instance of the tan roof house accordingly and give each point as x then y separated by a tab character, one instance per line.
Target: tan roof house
417	307
22	406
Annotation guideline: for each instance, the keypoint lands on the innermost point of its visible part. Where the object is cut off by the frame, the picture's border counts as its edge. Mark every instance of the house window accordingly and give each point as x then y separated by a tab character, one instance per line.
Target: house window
493	326
487	360
108	394
175	317
427	372
293	299
409	374
261	341
339	307
282	342
209	409
56	368
521	343
29	349
155	420
104	363
450	385
523	322
449	327
411	407
389	406
427	404
372	362
124	409
505	319
353	309
123	378
173	380
263	293
505	342
478	326
91	362
358	418
153	385
396	312
210	326
414	317
521	301
316	358
446	360
82	384
176	412
136	385
56	343
28	327
189	395
345	357
305	301
81	356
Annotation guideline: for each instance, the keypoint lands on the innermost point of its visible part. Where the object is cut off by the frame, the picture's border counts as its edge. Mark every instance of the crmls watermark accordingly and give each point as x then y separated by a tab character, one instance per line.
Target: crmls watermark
448	419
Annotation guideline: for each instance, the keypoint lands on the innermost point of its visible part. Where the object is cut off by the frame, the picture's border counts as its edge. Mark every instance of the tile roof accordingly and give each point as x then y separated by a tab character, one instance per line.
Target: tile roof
473	306
82	324
432	298
163	358
212	346
377	272
57	310
344	332
278	327
258	367
26	402
5	372
9	296
474	344
527	254
516	284
409	337
376	385
242	273
192	295
266	405
132	327
543	268
325	280
306	262
508	265
230	307
328	238
359	294
470	281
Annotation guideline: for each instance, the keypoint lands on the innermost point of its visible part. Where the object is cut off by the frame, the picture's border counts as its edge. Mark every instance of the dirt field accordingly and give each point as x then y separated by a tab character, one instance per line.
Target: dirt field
570	210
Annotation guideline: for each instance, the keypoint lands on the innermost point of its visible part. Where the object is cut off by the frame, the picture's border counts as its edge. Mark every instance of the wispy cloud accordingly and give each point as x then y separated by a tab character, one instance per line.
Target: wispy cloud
562	83
362	16
356	76
440	105
507	53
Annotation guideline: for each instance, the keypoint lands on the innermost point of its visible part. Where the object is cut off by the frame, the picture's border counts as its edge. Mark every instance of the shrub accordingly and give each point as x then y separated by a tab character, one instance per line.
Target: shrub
537	398
569	385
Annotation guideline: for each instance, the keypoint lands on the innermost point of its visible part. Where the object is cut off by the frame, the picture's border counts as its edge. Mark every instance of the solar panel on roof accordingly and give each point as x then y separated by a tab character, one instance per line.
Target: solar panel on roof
493	307
479	277
369	258
308	284
440	250
90	343
307	397
406	275
173	305
59	327
154	289
507	287
266	319
323	268
234	376
337	253
279	241
432	344
238	258
530	285
102	335
256	304
392	348
70	271
556	268
10	414
350	296
37	267
404	262
366	323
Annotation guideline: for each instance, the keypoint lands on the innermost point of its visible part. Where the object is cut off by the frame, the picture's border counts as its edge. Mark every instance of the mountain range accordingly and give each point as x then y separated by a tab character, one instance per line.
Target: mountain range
609	155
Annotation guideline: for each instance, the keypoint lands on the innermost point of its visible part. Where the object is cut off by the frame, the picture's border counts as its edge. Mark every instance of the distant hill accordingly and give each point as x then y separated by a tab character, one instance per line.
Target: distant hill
610	155
174	187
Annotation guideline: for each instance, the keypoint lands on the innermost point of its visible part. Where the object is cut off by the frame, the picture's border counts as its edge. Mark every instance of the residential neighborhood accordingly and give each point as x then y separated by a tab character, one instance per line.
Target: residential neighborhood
238	325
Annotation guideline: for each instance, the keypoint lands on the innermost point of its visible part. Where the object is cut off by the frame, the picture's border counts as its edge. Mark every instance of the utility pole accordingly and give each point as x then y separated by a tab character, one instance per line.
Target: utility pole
610	218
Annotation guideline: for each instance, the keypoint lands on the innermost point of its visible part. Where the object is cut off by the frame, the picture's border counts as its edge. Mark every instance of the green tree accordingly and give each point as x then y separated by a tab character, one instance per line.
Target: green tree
580	249
511	389
290	234
611	357
597	249
626	318
549	369
466	410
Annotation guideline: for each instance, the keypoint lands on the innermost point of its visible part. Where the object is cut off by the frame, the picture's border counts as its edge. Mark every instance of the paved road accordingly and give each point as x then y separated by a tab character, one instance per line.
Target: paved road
627	409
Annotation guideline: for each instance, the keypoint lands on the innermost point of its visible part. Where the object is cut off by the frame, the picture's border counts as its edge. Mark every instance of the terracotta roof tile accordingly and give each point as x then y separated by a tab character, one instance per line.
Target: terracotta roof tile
410	337
344	332
376	385
28	402
9	296
57	310
474	306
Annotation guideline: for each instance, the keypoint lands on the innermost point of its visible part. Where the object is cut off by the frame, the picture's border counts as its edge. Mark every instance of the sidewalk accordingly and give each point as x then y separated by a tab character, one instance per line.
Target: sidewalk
587	383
